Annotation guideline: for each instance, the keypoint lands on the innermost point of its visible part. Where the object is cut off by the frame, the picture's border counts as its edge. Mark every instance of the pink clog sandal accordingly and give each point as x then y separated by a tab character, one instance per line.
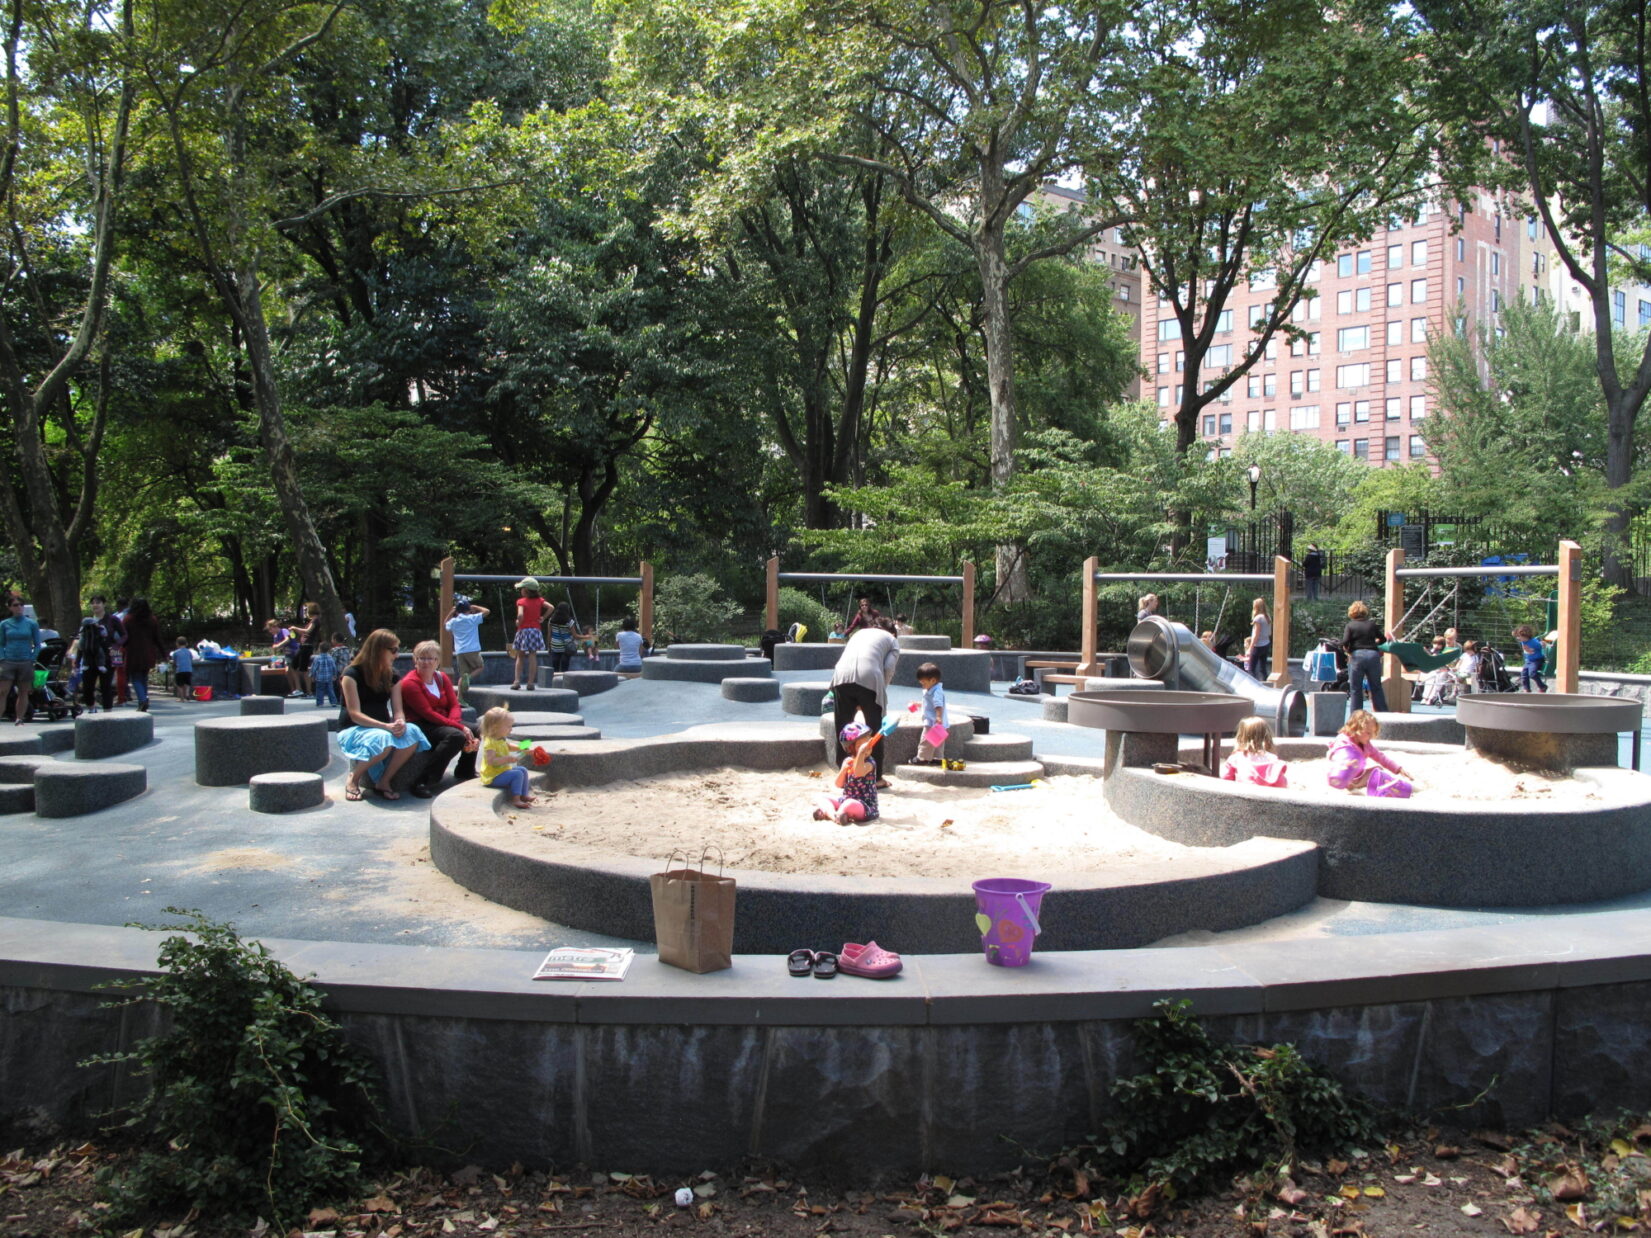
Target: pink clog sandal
869	960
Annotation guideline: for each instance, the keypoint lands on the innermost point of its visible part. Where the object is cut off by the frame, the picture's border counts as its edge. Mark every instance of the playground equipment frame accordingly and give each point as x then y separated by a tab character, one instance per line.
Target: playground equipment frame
1279	578
967	580
449	576
1568	656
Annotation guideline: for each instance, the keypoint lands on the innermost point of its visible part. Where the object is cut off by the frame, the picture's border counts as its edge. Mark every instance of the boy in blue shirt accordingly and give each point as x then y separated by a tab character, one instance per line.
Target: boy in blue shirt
1531	672
19	646
934	712
183	669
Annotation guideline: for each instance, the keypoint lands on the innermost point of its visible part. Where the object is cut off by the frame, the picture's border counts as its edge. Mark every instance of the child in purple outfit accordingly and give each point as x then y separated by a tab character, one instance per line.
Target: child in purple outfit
856	781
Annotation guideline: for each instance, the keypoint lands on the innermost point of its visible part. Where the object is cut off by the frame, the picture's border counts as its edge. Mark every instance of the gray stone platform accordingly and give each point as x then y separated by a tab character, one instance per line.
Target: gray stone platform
687	652
262	706
900	746
23	743
1424	851
805	697
925	643
541	717
584	682
702	670
1003	746
285	791
20	769
543	734
1425	729
985	774
1326	712
807	656
59	737
16	797
230	751
751	690
112	734
69	789
541	700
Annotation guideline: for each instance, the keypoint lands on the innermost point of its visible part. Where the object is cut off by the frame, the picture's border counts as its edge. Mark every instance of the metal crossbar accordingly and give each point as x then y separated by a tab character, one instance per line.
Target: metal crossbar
1190	578
1414	573
549	580
894	580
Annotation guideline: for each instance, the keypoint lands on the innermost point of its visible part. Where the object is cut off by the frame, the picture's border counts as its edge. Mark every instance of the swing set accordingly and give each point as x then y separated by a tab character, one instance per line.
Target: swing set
1402	655
967	580
507	614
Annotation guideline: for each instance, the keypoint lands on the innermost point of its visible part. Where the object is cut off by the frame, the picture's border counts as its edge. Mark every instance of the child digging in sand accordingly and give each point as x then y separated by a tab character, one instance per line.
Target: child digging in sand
1253	758
501	766
856	781
1356	764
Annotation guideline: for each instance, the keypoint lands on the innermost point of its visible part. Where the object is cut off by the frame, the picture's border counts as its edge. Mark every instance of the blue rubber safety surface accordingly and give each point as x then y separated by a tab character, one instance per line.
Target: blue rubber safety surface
360	872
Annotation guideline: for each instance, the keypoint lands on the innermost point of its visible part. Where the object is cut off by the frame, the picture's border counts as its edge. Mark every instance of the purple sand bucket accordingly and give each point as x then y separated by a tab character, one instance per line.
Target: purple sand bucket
1007	918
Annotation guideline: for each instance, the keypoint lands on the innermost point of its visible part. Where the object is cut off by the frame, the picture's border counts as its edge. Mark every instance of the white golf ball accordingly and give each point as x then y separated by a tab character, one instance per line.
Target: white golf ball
684	1197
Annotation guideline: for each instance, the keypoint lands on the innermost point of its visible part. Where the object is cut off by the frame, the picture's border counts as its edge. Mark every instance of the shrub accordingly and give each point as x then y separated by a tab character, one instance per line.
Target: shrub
257	1106
797	607
691	608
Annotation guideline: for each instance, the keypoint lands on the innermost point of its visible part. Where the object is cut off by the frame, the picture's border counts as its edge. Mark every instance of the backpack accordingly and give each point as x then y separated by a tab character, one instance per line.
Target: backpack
91	643
1023	687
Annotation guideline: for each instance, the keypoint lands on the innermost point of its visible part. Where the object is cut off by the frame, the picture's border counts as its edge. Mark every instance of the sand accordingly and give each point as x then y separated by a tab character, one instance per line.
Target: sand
761	820
1462	777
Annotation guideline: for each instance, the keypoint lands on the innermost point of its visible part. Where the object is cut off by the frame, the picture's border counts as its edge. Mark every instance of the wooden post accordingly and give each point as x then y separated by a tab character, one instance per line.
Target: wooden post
771	616
645	604
968	606
1569	660
1393	681
1282	568
442	633
1091	617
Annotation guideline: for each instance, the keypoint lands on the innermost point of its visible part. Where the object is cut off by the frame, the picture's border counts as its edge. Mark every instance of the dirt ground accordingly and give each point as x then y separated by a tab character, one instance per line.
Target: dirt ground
1545	1182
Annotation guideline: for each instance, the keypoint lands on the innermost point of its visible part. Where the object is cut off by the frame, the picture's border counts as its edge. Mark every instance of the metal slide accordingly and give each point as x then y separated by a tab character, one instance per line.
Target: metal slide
1159	649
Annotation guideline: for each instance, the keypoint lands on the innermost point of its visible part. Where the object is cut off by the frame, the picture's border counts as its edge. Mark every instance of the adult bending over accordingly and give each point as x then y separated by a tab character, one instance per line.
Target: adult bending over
373	721
860	683
1364	661
432	703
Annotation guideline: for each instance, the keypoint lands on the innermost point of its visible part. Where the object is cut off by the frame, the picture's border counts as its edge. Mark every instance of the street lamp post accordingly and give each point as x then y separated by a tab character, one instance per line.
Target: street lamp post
1255	551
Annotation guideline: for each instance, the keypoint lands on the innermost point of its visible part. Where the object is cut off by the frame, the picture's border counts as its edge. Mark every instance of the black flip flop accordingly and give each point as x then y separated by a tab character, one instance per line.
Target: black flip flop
825	965
800	963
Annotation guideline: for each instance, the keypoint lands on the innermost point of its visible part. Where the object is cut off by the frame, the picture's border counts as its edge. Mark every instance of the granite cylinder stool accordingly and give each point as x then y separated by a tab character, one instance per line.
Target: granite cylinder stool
109	735
751	689
254	706
285	791
230	751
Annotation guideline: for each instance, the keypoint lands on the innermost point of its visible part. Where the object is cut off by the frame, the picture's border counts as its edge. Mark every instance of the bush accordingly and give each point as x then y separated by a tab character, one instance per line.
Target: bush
257	1105
797	607
691	609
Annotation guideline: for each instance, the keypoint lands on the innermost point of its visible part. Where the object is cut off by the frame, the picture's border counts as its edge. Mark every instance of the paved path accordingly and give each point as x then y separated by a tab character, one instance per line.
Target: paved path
360	872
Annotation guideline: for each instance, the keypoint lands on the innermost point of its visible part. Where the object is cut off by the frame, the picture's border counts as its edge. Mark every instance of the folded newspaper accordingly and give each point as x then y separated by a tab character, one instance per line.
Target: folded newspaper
590	963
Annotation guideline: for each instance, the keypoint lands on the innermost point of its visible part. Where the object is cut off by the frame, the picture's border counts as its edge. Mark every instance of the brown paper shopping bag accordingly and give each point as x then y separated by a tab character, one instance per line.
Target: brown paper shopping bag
693	916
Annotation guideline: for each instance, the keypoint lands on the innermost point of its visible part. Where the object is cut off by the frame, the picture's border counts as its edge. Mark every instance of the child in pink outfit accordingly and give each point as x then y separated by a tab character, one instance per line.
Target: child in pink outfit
1253	758
856	798
1356	764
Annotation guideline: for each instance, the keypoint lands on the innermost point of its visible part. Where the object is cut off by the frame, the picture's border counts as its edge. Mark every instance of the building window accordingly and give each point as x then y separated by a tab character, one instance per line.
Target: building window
1163	397
1272	350
1395	294
1305	417
1350	376
1261	280
1295	382
1418	449
1537	263
1219	356
1258	315
1461	287
1363	263
1619	309
1313	343
1418	369
1209	425
1495	263
1163	363
1226	423
1418	407
1314	270
1361	410
1530	228
1395	332
1312	380
1344	415
1395	370
1418	291
1343	446
1123	292
1252	387
1224	320
1418	331
1361	449
1353	300
1269	385
1418	253
1395	257
1390	448
1498	227
1350	338
1461	250
1391	409
1645	314
1269	419
1495	301
1169	329
1344	265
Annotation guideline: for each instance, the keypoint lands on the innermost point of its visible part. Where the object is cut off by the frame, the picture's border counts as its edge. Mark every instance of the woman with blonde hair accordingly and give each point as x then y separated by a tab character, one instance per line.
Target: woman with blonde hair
372	722
1360	640
1259	646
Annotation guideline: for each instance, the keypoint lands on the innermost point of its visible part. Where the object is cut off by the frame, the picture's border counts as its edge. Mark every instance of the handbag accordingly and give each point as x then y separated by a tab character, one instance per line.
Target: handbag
693	915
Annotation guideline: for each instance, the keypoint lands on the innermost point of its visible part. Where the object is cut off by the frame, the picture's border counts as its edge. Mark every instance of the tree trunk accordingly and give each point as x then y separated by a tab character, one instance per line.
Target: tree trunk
283	464
1012	584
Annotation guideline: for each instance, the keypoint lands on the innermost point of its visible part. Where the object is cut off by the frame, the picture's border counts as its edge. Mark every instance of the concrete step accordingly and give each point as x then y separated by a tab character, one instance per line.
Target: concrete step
978	774
1005	747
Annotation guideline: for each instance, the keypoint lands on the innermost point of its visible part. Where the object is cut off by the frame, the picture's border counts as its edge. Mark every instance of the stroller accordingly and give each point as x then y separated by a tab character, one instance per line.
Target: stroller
1493	672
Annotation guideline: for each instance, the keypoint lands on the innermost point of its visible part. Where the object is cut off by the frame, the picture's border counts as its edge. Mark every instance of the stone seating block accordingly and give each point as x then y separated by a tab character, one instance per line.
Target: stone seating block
22	744
231	751
751	689
252	706
1054	708
704	653
60	738
542	734
68	789
546	717
585	683
806	698
285	791
20	769
111	734
1326	711
925	642
17	797
519	701
698	670
809	656
962	670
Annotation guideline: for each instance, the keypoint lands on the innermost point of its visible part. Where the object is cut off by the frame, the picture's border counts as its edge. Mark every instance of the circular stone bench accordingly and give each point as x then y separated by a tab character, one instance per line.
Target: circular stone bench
808	656
66	789
21	745
59	738
900	746
520	700
751	689
252	706
542	734
285	791
20	769
109	735
704	653
805	697
1054	707
585	683
699	670
925	643
16	798
230	752
542	717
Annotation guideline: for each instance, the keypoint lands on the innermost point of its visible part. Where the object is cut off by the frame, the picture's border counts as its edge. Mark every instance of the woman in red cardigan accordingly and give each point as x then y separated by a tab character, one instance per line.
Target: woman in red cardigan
431	701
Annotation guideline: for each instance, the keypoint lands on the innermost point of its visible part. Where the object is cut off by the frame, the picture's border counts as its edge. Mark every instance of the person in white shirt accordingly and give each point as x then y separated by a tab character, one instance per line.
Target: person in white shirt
630	644
464	621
